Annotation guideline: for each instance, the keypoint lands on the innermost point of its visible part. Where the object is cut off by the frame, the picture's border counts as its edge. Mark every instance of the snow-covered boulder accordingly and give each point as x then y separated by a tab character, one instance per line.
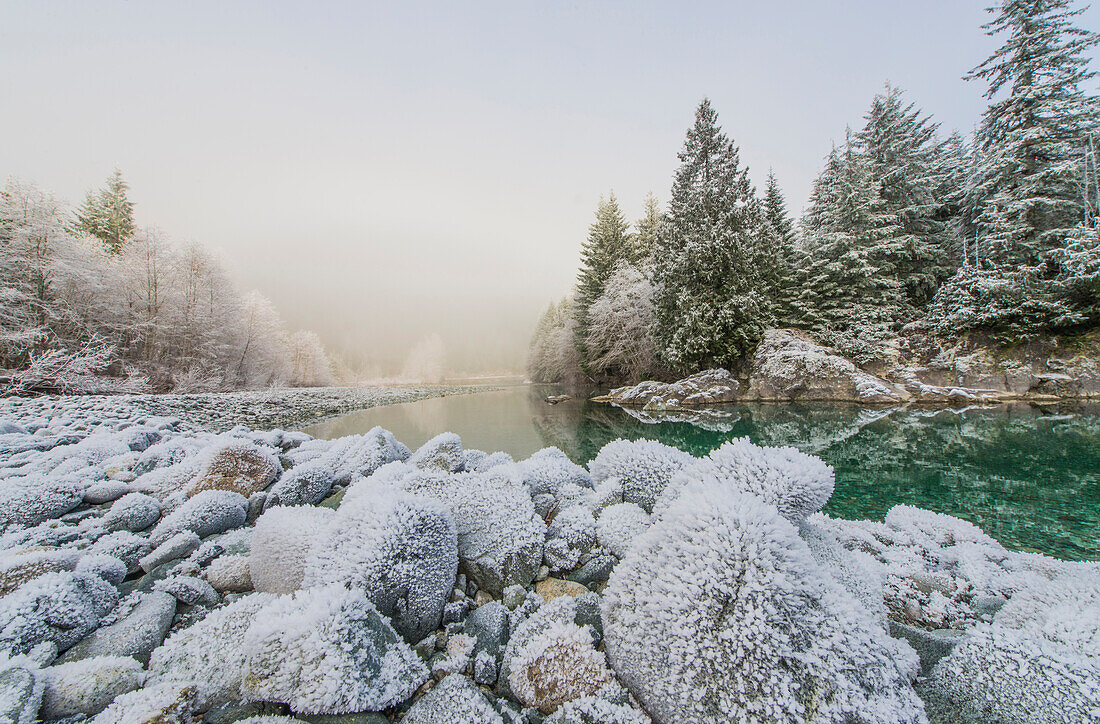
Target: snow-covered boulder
556	666
27	501
59	607
553	480
230	574
570	535
87	687
454	699
354	455
133	512
709	387
442	452
643	467
20	689
238	466
306	484
207	513
134	635
328	651
796	483
401	549
281	544
619	526
125	546
18	567
720	612
208	656
164	703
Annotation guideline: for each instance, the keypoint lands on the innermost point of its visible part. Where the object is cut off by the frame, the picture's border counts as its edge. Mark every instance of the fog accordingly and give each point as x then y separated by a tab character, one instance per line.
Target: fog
414	181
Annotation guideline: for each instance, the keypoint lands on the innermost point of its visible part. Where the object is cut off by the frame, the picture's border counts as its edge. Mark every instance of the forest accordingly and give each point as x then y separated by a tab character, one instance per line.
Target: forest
908	230
90	302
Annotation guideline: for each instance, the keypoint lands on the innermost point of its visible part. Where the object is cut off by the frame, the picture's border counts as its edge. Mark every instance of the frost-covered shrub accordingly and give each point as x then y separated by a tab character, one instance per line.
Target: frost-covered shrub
88	686
209	654
132	512
401	549
60	607
307	484
442	452
720	612
236	466
619	525
207	513
27	501
571	534
281	542
1005	676
553	479
328	651
644	468
796	483
558	665
454	699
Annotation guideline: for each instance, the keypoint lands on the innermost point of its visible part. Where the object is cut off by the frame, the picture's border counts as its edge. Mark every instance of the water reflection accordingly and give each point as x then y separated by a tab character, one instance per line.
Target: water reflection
1029	477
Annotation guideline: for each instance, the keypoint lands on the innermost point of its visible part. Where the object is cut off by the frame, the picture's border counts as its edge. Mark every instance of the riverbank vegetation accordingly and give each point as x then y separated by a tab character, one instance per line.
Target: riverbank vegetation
908	230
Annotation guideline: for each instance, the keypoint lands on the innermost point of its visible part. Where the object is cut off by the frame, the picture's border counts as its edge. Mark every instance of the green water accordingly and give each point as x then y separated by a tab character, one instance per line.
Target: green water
1027	476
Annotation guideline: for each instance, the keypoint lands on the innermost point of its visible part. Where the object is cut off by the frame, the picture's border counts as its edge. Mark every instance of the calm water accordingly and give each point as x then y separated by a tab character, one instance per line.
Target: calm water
1029	477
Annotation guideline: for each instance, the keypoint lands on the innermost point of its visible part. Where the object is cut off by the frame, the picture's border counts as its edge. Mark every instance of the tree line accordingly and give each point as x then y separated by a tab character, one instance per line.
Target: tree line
91	294
906	230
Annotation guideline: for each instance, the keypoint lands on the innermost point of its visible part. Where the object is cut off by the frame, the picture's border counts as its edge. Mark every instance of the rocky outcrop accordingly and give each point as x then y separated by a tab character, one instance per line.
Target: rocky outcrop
711	387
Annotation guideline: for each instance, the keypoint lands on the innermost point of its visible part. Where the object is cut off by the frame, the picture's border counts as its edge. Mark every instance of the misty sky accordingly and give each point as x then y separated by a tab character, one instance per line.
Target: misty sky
384	171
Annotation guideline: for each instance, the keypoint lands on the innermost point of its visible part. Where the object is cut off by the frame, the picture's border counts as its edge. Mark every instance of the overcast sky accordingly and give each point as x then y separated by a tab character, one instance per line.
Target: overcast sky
383	171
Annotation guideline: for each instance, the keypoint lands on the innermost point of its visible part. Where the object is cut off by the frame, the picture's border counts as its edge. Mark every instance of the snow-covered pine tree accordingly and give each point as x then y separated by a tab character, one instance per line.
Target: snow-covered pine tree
609	242
954	165
901	149
645	234
107	214
782	272
710	301
850	293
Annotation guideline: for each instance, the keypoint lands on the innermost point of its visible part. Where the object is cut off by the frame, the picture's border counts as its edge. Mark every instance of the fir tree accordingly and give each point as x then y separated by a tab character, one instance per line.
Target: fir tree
775	210
710	301
609	242
108	214
782	269
647	227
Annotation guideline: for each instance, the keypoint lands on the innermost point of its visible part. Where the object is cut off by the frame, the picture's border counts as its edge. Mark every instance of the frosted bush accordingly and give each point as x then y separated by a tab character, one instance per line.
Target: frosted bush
442	452
796	483
644	468
400	549
27	501
307	484
207	513
88	686
281	542
59	607
132	512
720	612
328	651
619	525
209	654
1000	675
237	466
571	534
454	699
558	665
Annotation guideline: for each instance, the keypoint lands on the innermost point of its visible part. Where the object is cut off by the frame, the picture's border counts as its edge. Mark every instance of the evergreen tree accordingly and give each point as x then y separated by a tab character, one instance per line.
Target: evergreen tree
645	236
108	214
775	210
1032	140
710	301
782	269
901	150
609	242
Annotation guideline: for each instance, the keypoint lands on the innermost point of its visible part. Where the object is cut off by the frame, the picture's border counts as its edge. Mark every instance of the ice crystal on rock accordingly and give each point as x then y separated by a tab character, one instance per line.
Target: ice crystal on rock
720	612
442	452
27	501
454	699
353	455
796	483
60	607
328	651
281	544
88	686
209	655
207	513
571	534
17	568
553	479
307	484
165	703
132	512
644	468
556	666
236	466
401	549
619	525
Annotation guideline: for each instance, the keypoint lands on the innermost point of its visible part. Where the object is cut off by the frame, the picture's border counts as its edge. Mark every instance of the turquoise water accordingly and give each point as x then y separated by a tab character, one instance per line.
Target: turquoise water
1027	476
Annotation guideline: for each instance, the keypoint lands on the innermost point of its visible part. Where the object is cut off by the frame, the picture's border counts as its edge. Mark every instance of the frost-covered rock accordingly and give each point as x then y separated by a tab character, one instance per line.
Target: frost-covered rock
236	466
165	703
281	544
230	574
620	525
105	491
553	480
87	687
796	483
29	500
135	635
108	568
570	535
401	549
556	666
709	387
127	547
188	590
644	468
442	452
530	621
857	571
454	699
307	484
354	455
133	512
720	612
179	545
19	567
209	655
328	651
609	706
20	689
206	513
59	607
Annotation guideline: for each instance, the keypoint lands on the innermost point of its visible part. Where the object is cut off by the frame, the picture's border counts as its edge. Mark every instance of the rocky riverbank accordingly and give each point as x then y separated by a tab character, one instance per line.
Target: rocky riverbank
789	365
150	573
